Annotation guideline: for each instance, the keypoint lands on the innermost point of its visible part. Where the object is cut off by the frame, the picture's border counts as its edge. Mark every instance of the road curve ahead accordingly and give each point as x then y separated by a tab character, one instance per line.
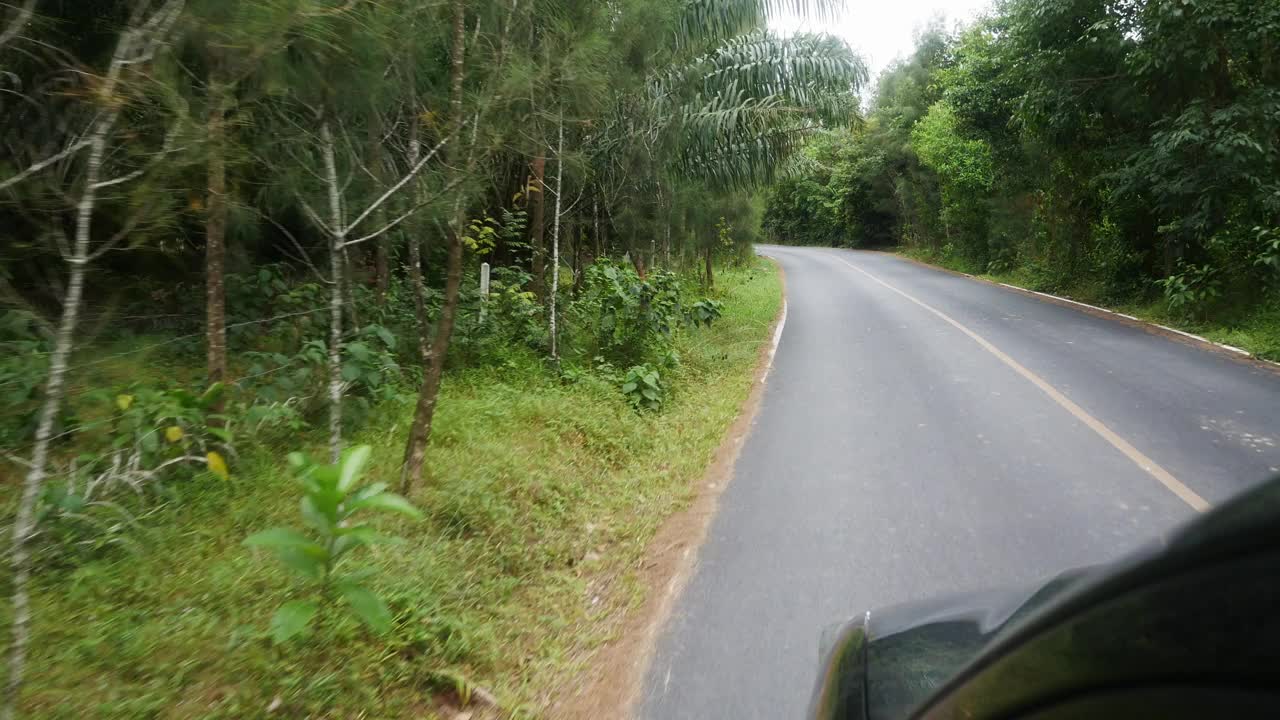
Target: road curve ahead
923	433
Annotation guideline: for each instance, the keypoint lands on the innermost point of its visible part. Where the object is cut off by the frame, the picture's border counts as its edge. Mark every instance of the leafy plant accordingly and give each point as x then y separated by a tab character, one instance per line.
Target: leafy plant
1192	289
158	428
632	319
1268	254
703	312
23	368
643	388
332	496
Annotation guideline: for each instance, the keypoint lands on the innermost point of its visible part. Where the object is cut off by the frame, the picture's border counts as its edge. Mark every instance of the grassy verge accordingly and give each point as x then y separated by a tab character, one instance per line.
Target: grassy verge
539	497
1255	328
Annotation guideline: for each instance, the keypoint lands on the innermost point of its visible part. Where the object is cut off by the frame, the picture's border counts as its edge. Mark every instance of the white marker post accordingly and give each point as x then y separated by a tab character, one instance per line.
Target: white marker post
484	288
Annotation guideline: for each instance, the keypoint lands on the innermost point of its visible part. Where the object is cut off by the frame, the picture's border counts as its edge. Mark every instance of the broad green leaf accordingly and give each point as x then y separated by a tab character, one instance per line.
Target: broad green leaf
307	562
388	501
386	336
351	465
367	606
291	619
368	491
314	517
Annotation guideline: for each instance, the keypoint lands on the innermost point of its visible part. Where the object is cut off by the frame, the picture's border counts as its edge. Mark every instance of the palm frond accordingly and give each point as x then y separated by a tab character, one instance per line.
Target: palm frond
712	20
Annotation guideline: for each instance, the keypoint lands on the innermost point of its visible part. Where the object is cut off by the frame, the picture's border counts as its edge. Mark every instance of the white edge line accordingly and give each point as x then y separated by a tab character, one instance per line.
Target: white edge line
777	339
1198	338
1150	466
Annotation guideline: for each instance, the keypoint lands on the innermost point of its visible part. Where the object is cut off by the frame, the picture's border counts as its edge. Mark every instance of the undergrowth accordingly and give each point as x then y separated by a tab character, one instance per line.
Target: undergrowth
539	496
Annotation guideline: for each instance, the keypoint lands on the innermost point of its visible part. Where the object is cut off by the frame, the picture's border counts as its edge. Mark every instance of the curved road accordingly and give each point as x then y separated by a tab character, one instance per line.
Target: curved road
924	433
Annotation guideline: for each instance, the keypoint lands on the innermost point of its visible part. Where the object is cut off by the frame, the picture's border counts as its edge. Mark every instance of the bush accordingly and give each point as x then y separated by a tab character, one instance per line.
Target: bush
629	319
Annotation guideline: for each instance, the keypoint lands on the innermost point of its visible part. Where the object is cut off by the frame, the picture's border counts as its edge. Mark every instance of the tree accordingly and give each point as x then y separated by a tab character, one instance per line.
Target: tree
145	34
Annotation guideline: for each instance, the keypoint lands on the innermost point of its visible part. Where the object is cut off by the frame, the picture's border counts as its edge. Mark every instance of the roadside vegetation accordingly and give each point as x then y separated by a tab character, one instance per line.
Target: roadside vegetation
538	499
1125	154
352	351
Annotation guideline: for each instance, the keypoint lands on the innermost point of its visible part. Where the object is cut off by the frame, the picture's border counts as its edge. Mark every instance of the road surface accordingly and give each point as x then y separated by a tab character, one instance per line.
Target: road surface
923	433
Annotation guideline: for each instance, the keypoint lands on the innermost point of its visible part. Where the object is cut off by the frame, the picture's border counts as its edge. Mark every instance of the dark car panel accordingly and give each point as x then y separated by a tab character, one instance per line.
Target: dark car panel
1201	612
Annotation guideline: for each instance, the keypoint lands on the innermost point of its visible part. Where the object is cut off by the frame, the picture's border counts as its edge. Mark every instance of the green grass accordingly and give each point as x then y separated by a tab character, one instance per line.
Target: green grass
1254	327
539	497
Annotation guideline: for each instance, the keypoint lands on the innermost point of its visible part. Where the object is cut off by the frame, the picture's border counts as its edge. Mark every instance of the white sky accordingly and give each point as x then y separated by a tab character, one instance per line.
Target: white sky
882	30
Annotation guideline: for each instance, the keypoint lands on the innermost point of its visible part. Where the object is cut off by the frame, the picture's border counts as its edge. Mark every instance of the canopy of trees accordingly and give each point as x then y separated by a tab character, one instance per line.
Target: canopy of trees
1101	143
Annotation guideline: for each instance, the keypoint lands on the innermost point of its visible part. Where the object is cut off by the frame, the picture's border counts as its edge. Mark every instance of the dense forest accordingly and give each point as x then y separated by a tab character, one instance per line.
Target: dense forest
232	230
1123	152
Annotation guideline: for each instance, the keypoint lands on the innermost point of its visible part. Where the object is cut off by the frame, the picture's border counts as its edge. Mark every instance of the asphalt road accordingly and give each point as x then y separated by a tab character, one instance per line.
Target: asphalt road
899	454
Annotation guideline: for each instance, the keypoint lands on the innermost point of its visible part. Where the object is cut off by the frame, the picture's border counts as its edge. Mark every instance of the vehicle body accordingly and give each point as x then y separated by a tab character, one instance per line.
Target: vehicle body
1190	628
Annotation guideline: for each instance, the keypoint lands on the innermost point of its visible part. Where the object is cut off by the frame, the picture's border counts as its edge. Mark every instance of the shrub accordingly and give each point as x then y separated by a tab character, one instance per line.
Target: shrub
332	496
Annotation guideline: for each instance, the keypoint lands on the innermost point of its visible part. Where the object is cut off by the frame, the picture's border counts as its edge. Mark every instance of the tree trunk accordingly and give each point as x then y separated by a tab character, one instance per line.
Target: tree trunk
711	278
382	266
24	522
336	279
415	452
425	410
575	233
536	223
555	244
599	239
419	297
216	232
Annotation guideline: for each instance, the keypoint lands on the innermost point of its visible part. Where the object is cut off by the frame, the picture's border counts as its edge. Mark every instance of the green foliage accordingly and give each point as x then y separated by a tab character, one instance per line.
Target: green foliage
285	390
159	427
643	388
703	312
332	496
537	489
1105	150
1193	289
23	368
629	318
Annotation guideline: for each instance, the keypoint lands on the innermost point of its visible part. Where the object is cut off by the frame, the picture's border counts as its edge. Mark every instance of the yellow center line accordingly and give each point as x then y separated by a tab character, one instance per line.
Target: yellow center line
1166	478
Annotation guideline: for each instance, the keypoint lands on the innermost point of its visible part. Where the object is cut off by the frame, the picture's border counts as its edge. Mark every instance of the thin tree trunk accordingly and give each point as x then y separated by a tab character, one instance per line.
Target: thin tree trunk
424	412
599	239
381	246
419	296
536	225
711	278
336	239
216	231
555	243
24	523
382	266
575	234
418	288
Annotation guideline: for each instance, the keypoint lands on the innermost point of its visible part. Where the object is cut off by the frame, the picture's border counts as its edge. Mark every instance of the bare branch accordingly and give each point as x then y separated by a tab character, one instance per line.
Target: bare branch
394	188
386	227
303	253
53	159
313	216
164	152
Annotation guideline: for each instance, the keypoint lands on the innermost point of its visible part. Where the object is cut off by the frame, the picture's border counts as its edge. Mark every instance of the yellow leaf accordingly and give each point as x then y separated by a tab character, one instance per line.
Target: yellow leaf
217	465
173	433
124	401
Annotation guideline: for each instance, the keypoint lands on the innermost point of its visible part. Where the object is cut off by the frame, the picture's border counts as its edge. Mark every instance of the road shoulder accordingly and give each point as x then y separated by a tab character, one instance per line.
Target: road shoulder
612	685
